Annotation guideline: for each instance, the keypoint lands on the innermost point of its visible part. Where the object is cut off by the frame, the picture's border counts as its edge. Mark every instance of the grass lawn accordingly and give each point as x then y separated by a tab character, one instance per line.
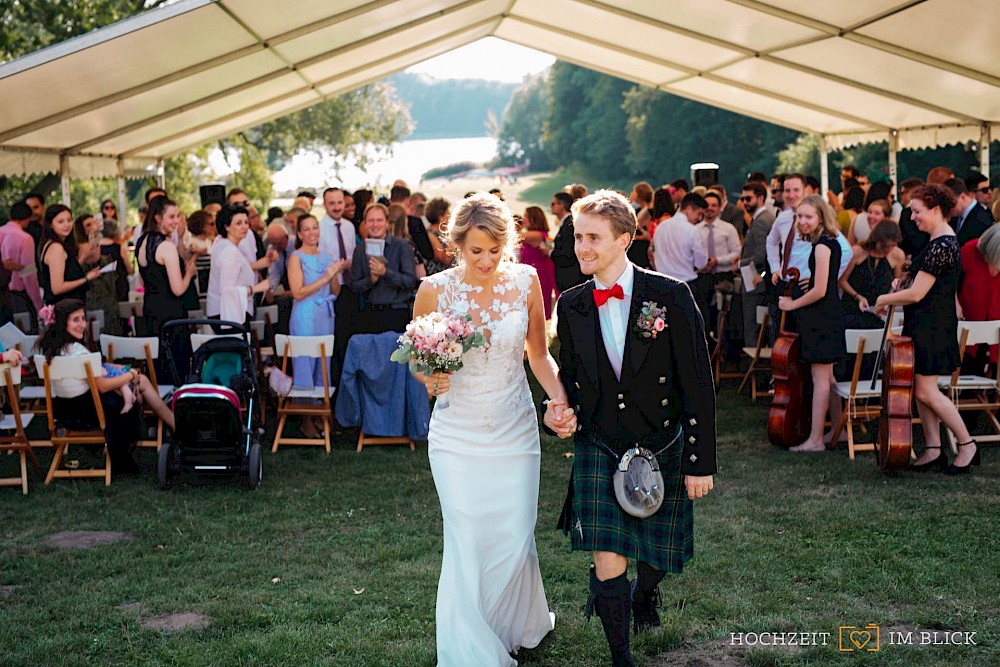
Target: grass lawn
334	561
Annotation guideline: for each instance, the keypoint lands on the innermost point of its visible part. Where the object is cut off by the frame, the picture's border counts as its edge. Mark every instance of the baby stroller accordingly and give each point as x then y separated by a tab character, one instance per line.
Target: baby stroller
215	409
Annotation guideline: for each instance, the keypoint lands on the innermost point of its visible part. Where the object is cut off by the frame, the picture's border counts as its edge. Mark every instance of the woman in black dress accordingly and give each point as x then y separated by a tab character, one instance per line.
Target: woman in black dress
164	278
875	264
821	317
62	277
931	320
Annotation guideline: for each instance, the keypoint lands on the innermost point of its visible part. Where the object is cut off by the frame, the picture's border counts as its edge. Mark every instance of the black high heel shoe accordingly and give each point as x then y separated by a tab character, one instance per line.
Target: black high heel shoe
941	463
964	470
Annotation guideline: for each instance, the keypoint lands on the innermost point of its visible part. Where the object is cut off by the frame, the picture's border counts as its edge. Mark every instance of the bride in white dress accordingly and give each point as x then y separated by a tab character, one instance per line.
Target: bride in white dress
484	449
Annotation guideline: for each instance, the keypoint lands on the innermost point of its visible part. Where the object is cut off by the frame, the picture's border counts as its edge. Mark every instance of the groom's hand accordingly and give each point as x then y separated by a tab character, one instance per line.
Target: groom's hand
698	487
560	418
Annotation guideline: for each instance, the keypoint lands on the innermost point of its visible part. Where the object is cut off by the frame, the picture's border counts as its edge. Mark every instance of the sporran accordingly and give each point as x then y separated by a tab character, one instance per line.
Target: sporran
637	480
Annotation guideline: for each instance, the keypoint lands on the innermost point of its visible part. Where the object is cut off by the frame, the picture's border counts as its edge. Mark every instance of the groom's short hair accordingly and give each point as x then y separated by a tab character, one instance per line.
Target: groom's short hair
612	206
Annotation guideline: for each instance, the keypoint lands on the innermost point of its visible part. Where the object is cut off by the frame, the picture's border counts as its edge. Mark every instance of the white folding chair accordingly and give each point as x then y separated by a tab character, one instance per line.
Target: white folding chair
10	378
86	367
143	350
975	393
23	321
131	311
31	397
315	347
760	356
862	401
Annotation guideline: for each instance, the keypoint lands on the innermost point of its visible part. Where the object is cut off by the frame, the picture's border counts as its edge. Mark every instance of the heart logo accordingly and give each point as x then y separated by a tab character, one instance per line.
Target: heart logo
860	638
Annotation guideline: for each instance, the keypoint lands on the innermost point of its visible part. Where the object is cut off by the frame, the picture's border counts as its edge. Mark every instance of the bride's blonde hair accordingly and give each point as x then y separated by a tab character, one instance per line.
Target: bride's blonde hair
489	214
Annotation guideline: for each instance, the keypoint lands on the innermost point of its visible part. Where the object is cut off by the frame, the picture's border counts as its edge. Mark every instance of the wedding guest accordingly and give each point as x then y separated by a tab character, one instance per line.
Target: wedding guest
312	281
820	318
17	247
108	210
535	249
979	293
875	264
231	281
72	400
102	295
386	282
62	277
111	250
437	212
164	277
399	223
563	256
931	321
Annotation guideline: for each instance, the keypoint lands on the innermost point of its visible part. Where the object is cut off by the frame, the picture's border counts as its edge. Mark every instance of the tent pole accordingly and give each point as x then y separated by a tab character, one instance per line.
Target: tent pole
121	194
893	167
64	178
985	137
161	178
824	166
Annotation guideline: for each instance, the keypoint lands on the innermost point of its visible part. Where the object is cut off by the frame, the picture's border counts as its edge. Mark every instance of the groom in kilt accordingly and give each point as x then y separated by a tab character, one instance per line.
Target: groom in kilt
634	361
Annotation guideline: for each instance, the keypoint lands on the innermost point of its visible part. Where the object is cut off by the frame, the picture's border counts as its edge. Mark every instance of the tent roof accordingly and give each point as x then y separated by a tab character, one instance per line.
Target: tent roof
196	70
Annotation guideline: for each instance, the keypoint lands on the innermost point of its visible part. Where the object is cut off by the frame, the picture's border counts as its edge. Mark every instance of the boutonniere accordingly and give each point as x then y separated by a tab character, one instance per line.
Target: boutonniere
652	320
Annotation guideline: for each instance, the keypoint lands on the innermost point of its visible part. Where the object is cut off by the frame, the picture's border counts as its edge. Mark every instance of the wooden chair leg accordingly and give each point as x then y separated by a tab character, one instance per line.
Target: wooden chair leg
56	462
361	440
107	466
277	434
327	427
24	473
850	438
749	373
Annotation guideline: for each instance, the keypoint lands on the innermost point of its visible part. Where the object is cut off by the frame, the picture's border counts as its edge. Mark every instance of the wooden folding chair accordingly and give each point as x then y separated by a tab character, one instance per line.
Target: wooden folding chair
862	401
760	357
23	322
131	312
719	351
975	393
10	378
315	347
83	367
31	397
143	351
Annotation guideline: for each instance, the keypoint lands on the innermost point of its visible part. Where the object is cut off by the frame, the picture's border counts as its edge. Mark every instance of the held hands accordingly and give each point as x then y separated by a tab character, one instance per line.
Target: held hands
697	486
437	383
560	418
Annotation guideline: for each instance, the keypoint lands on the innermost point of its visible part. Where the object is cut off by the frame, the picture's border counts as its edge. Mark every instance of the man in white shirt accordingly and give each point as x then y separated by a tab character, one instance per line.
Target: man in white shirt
722	247
677	247
337	239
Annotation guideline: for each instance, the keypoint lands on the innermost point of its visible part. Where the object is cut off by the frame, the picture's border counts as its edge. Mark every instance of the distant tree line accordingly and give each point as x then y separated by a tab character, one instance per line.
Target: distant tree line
574	117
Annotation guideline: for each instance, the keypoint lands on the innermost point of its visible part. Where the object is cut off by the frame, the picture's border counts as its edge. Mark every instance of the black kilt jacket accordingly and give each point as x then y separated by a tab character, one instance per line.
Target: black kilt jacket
666	380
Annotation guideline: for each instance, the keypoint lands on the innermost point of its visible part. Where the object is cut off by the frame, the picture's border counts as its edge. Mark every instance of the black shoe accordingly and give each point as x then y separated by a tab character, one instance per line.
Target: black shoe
964	470
941	462
644	615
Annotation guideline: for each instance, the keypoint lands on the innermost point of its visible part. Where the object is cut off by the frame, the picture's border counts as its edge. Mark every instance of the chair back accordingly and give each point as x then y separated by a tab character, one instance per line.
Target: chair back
129	347
979	333
23	321
317	347
10	375
95	324
762	314
130	308
862	340
12	337
85	367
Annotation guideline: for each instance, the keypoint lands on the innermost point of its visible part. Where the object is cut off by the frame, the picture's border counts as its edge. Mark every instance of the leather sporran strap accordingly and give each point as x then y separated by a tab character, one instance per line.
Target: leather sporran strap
637	480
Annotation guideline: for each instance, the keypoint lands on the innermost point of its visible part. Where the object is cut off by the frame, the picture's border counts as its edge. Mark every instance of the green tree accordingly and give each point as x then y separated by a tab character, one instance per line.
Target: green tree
801	156
519	138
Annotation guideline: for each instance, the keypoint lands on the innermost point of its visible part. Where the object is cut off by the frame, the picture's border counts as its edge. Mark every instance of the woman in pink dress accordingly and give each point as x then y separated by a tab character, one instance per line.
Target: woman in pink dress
535	249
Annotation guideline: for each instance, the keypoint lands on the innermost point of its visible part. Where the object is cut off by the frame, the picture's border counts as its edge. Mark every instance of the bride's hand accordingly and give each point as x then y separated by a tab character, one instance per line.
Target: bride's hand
437	383
560	418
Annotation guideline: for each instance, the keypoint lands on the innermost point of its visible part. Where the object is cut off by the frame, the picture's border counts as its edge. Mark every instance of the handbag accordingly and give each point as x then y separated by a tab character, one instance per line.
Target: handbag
280	383
637	480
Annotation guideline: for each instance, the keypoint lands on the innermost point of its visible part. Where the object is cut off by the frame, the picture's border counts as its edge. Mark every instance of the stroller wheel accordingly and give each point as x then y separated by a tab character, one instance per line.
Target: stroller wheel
163	465
255	467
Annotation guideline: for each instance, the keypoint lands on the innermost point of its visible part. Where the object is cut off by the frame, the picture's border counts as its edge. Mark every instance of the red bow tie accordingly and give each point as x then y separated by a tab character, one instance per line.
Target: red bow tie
601	296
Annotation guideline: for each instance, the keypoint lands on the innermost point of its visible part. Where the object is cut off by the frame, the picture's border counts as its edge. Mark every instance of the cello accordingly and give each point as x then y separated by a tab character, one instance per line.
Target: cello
895	430
790	416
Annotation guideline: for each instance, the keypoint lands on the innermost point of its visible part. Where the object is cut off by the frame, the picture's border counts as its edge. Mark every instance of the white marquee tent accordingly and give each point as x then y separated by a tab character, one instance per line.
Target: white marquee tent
116	101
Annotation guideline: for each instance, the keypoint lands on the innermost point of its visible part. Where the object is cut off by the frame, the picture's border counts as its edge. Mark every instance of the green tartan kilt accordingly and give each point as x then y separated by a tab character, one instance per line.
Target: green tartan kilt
595	521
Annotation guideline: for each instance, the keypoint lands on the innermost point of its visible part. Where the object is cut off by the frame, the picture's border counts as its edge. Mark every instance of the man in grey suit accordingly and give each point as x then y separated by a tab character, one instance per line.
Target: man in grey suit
754	200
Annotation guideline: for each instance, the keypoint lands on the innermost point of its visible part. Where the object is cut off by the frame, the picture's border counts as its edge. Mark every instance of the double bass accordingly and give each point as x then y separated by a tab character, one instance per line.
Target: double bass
790	416
895	431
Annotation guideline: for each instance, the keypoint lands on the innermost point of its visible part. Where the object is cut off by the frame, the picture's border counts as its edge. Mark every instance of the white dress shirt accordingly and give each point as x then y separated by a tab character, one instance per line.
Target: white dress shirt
328	239
613	316
727	243
229	269
776	242
678	249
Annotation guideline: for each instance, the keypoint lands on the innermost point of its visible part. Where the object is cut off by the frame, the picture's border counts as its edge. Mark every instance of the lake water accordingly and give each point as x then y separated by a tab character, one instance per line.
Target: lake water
408	160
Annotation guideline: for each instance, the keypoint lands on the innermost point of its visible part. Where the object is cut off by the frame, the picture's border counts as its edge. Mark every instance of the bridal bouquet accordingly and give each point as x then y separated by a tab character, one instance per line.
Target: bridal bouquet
436	342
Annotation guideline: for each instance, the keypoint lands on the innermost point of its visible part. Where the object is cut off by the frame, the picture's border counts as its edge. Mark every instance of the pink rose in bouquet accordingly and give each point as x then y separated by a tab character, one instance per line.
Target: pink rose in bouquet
436	342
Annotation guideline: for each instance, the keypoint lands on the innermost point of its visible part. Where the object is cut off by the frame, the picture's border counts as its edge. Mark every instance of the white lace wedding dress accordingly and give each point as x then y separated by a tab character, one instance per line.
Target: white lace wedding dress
484	454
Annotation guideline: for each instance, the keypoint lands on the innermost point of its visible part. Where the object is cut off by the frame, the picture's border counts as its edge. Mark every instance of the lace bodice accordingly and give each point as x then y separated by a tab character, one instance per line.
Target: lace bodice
501	314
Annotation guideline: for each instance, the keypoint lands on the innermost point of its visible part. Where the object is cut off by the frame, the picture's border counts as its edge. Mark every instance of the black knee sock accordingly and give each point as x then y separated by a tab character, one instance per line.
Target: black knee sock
612	602
647	579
